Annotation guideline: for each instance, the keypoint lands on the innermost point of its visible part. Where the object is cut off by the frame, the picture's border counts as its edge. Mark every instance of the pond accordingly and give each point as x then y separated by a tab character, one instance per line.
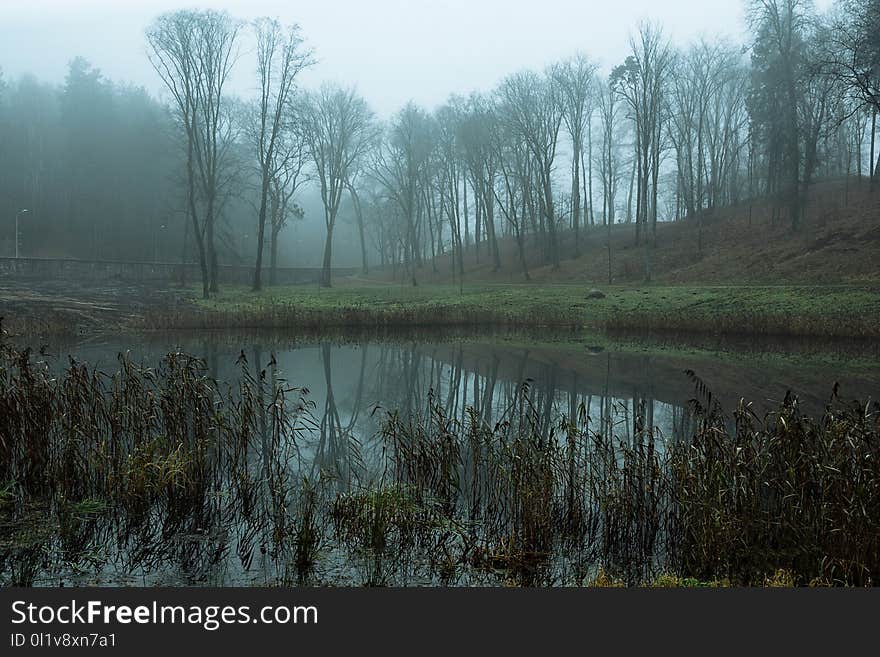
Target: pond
352	382
349	377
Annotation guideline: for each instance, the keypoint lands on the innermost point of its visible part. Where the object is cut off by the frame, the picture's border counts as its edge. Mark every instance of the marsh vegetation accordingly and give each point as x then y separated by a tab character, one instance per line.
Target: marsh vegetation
175	471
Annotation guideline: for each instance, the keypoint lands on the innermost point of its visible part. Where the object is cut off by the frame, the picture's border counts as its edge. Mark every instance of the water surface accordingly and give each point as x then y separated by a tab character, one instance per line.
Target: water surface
354	381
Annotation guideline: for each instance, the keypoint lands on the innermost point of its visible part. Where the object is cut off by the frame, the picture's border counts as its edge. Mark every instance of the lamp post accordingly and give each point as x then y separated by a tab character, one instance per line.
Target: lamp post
17	215
156	233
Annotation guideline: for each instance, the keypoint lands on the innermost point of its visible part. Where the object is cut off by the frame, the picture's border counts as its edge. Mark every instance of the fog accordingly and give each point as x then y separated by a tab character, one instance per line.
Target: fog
501	292
395	51
490	122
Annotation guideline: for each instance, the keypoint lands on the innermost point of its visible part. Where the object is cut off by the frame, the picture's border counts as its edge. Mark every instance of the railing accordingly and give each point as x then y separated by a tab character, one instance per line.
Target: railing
75	269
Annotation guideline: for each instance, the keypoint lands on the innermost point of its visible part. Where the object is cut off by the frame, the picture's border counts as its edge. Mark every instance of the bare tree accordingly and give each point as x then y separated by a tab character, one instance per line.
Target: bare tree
285	183
608	161
400	168
194	53
514	160
852	55
449	161
338	128
779	26
280	59
575	79
218	34
474	136
642	82
173	53
534	114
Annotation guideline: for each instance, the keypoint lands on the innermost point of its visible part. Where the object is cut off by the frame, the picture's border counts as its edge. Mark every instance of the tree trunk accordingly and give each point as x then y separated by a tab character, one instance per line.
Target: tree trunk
551	219
639	194
191	199
261	232
875	166
520	244
576	195
478	215
209	238
699	192
489	220
793	149
629	198
467	235
589	172
457	242
610	277
273	258
359	215
655	173
328	248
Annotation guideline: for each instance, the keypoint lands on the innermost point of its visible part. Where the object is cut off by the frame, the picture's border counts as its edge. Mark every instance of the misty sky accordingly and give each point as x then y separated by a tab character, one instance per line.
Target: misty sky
393	50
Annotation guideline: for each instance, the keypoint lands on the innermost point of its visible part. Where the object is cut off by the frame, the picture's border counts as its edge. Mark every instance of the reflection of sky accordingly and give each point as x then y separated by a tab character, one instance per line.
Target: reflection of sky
394	376
399	377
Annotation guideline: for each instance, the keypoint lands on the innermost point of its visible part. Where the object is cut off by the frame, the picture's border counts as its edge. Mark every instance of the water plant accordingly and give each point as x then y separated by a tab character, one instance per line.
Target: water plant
165	475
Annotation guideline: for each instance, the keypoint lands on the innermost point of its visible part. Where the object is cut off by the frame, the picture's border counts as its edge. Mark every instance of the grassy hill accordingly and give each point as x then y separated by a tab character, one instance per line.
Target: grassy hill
753	276
838	243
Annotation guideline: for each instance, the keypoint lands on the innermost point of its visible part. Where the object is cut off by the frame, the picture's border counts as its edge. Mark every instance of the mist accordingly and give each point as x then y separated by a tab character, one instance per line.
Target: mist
439	294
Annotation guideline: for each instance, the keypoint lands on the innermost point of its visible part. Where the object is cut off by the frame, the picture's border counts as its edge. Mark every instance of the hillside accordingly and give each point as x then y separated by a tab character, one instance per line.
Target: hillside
838	242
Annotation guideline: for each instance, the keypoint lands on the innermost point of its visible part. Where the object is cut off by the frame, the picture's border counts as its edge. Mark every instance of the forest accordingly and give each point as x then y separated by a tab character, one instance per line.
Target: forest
604	322
108	172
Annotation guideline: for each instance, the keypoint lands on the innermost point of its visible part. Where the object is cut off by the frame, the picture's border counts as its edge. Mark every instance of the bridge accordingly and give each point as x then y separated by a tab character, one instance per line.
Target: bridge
144	272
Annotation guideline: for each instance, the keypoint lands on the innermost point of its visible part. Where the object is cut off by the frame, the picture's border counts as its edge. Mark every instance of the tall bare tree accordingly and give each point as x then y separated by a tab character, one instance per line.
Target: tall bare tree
534	114
401	166
449	161
514	163
284	186
852	51
194	53
479	158
608	161
281	57
642	81
776	57
173	44
339	131
575	80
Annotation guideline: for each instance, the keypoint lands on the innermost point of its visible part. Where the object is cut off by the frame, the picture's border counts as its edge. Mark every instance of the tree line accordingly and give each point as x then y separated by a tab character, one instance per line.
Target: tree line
670	133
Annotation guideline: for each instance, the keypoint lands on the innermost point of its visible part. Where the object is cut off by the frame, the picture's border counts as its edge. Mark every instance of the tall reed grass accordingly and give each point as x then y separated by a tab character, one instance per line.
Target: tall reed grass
148	469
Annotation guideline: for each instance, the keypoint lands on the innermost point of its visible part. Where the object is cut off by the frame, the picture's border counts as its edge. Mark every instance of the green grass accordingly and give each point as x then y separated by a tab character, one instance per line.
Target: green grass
88	507
831	311
7	493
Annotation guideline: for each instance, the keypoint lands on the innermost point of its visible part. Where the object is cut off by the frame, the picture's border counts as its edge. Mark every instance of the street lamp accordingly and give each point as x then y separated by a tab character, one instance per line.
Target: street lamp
18	214
156	233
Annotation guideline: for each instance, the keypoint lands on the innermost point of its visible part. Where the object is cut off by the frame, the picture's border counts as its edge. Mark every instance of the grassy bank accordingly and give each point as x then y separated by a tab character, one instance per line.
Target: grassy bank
837	242
829	311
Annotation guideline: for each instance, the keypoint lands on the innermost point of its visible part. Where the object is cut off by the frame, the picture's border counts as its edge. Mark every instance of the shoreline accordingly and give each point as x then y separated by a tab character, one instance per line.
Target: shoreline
781	311
698	311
